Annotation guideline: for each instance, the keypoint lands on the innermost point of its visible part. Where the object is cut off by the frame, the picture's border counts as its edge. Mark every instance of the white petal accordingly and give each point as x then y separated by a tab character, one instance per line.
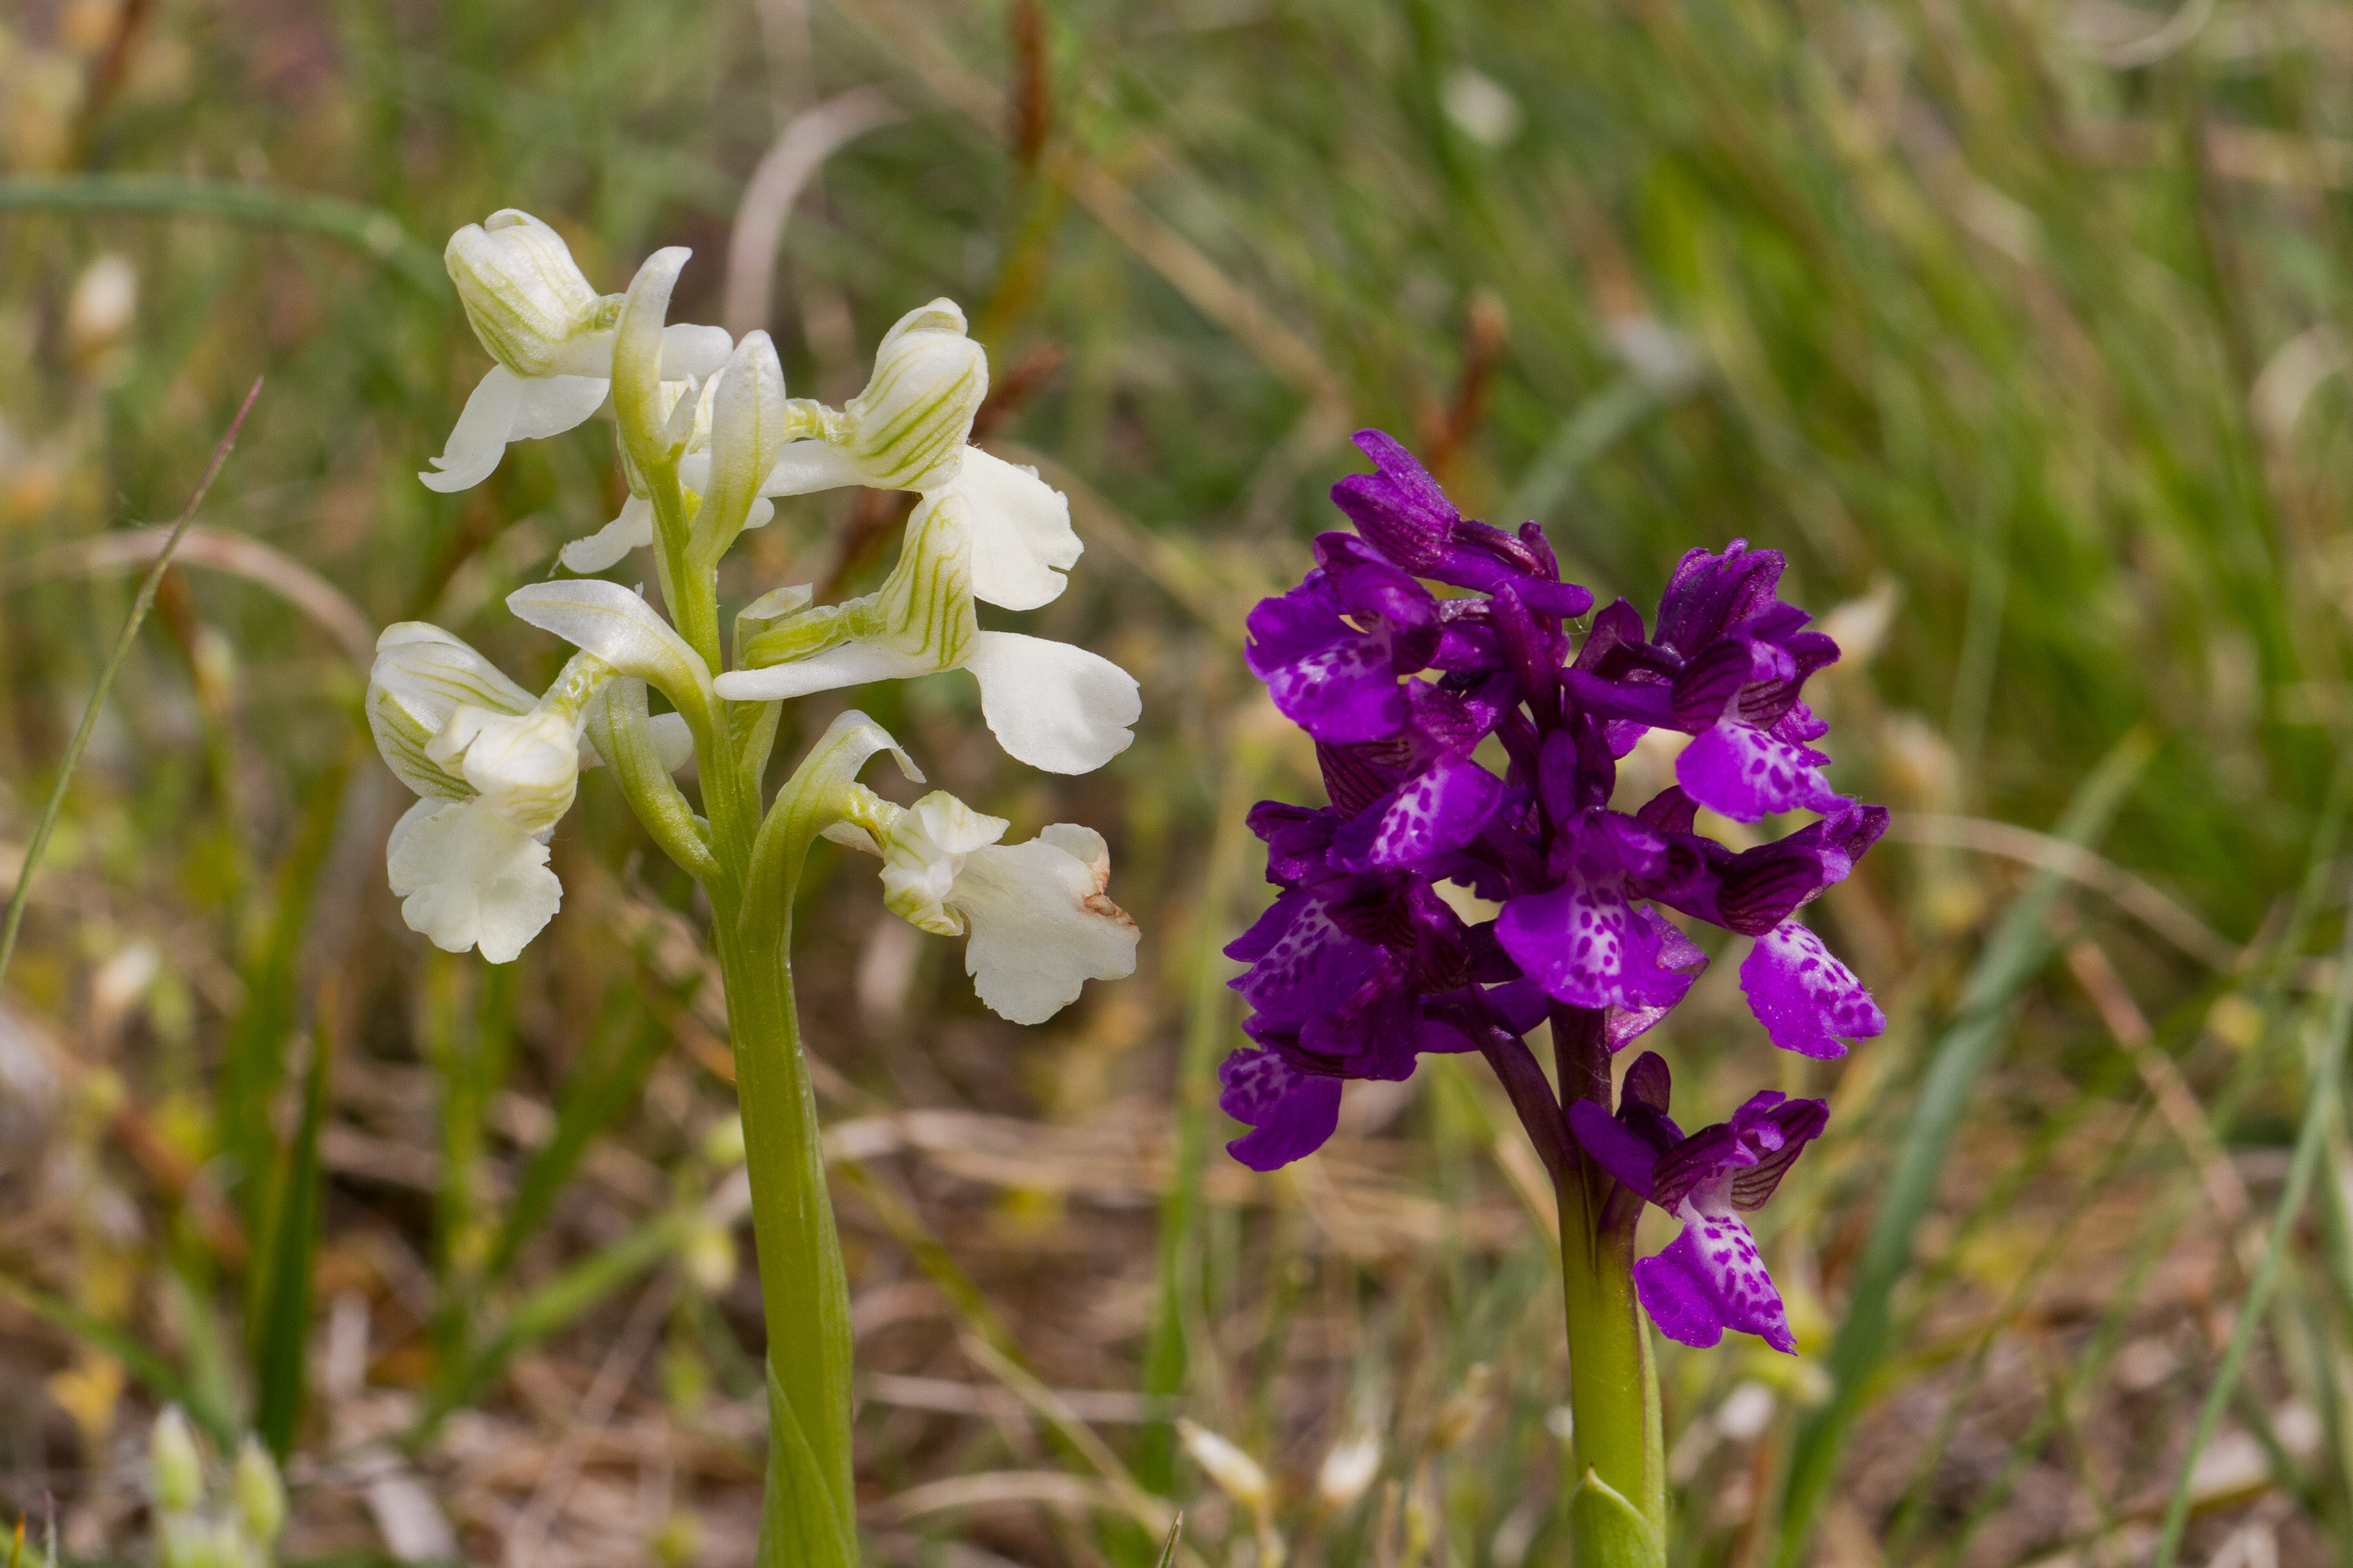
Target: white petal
479	437
551	405
1051	705
1021	536
803	467
748	420
1041	926
619	627
604	549
851	664
674	742
687	350
468	878
925	849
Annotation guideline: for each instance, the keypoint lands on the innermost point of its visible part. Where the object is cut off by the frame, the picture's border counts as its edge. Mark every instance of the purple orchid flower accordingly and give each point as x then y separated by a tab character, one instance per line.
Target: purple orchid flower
1725	667
1710	1279
1360	966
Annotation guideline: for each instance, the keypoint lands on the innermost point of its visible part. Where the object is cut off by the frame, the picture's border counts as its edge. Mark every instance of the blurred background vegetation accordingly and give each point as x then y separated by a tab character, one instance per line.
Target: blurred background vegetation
2019	325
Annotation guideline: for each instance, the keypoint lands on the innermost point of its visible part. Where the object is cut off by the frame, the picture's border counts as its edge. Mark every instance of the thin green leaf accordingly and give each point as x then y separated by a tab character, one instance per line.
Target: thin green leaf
372	231
280	1297
55	806
161	1377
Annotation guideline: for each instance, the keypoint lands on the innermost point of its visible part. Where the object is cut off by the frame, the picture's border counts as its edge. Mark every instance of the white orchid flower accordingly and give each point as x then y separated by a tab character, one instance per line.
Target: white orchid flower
551	334
1041	922
496	769
1050	705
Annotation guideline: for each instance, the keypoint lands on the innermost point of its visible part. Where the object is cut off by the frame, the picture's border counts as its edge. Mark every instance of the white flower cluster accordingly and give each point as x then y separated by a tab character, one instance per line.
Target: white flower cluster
707	439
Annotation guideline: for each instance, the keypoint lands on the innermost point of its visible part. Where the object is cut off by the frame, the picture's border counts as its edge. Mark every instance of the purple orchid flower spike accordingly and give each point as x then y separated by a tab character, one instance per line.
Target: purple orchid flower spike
1710	1279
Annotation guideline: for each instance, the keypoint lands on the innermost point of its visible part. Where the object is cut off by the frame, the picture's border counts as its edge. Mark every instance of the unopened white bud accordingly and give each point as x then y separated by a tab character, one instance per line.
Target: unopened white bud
178	1472
1347	1470
908	429
709	1254
100	309
1236	1473
261	1493
527	299
723	1142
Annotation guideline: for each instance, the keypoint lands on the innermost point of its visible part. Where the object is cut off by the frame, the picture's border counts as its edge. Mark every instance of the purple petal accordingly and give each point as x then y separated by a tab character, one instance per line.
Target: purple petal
1399	509
1798	1122
1293	1111
1807	999
1710	1279
1302	965
1437	812
1334	682
1709	595
1587	947
1614	1147
1747	775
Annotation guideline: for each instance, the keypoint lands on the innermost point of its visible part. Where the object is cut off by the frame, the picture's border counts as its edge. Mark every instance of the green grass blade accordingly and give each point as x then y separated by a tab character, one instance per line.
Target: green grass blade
55	806
591	1100
2325	1080
280	1311
555	1304
162	1378
372	231
1982	1020
255	1063
1208	1026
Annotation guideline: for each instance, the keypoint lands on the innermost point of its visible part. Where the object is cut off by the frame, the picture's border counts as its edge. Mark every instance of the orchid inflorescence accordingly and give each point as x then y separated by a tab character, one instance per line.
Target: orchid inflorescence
1364	961
707	440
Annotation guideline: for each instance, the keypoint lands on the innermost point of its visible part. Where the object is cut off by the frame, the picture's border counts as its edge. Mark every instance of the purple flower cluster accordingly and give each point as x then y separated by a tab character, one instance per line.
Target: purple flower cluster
1361	965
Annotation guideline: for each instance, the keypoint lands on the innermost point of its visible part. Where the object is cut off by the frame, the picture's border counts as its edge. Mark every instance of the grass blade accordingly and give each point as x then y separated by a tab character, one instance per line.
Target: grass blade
371	231
55	806
2017	949
280	1297
161	1377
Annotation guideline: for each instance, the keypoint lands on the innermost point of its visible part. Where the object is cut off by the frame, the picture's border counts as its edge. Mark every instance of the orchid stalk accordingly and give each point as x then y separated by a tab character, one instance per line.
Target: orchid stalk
707	438
1362	964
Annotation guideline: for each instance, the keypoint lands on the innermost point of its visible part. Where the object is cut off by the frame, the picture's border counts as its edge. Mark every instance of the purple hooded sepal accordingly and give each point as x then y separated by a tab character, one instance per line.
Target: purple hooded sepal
1401	512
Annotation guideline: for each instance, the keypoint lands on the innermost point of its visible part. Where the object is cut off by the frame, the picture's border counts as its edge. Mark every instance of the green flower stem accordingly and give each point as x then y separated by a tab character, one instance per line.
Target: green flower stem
808	1517
1613	1377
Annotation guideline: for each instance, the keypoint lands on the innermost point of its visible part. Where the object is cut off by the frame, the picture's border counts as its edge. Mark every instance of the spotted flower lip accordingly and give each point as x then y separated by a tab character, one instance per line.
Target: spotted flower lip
1360	966
1710	1279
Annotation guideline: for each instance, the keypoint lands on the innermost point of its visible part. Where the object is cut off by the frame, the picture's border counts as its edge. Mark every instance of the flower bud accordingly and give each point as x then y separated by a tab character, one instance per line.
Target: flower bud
178	1470
723	1141
709	1254
100	310
260	1494
422	676
527	299
908	429
526	767
1347	1470
1236	1473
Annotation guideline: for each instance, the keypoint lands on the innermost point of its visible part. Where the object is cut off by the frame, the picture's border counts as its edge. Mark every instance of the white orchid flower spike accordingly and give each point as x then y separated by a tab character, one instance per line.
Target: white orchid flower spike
1041	922
551	334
